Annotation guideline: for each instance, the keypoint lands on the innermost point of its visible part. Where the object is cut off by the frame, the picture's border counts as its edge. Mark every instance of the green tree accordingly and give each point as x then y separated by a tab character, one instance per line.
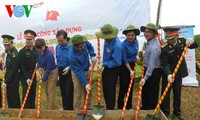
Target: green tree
197	38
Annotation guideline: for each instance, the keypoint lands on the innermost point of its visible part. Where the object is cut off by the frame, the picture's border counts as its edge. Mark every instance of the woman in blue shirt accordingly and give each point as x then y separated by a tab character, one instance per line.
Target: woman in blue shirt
129	55
46	61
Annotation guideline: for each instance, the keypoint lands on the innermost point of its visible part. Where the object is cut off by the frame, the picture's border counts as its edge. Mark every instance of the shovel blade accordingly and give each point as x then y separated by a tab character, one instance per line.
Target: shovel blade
4	114
83	117
98	111
150	117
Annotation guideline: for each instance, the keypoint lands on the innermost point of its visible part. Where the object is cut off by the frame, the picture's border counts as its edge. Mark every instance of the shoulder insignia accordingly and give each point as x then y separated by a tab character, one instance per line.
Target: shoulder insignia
13	54
181	40
165	44
180	37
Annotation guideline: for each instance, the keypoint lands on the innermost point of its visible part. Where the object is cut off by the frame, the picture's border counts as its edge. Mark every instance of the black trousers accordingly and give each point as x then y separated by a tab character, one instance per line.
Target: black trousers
177	86
150	90
67	89
0	98
12	90
109	81
124	79
30	102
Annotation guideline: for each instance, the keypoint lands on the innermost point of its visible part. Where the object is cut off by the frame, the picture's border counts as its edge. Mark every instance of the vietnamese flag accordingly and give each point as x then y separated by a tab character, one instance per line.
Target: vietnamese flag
52	15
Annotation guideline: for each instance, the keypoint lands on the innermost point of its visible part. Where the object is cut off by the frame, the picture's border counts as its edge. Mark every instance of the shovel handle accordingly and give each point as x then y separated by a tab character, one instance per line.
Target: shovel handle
27	93
88	92
3	88
99	71
173	76
39	94
129	90
139	94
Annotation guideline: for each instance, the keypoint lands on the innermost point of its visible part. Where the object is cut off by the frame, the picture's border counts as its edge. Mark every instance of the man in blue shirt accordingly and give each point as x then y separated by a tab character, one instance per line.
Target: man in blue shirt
79	64
152	66
65	78
112	59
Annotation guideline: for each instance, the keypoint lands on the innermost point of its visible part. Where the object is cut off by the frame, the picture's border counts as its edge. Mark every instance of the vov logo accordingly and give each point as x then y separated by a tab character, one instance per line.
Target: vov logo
19	10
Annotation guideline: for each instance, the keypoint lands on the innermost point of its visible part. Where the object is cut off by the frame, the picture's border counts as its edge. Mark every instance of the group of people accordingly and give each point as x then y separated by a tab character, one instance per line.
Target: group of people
72	65
159	64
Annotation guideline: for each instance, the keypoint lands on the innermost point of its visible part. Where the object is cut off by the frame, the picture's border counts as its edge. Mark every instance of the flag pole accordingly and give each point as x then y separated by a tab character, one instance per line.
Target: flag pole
158	13
158	22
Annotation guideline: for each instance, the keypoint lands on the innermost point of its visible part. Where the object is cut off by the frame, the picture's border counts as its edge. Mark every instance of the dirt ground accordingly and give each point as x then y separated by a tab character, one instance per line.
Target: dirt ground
190	99
189	106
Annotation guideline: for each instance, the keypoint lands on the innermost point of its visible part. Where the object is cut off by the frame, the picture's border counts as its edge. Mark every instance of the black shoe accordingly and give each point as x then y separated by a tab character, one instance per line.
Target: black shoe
180	117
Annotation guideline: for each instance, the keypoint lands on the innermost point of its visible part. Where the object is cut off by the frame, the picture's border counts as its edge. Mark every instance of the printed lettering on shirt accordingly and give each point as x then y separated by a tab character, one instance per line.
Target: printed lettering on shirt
107	50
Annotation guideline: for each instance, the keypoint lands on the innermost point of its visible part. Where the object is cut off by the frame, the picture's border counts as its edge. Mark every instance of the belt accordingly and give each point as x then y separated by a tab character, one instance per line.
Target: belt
61	67
154	68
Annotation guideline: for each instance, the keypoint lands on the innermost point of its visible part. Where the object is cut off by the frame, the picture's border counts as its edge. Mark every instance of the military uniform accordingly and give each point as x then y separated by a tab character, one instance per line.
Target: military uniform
28	60
170	56
12	74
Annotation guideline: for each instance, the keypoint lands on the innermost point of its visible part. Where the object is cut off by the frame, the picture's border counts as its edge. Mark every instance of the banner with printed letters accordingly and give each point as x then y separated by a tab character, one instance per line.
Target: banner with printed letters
84	17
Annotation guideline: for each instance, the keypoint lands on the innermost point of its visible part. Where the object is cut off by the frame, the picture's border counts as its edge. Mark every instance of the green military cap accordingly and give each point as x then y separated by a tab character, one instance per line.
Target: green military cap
107	32
171	32
29	34
149	26
7	39
77	39
131	28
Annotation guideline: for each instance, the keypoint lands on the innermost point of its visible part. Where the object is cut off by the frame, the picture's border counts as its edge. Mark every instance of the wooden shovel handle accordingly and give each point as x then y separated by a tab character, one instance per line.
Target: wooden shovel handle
39	94
27	92
88	92
139	94
129	90
99	72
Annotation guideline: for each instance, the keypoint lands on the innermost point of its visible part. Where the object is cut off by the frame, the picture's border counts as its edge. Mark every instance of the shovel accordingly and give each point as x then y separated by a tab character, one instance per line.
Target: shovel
152	117
27	93
39	94
84	116
98	110
3	112
128	92
139	95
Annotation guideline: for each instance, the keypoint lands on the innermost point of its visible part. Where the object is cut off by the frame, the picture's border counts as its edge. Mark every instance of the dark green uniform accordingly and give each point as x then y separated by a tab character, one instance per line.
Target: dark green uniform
11	72
170	56
12	78
28	62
